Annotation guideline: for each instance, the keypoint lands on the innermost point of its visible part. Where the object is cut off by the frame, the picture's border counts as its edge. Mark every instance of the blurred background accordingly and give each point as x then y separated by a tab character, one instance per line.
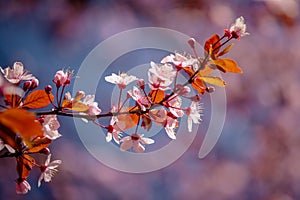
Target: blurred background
257	155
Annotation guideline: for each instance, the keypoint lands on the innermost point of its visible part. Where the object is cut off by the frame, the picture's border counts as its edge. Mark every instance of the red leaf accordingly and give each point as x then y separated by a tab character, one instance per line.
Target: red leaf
24	165
157	95
227	65
199	85
37	99
226	50
22	122
38	144
12	100
127	121
8	136
214	42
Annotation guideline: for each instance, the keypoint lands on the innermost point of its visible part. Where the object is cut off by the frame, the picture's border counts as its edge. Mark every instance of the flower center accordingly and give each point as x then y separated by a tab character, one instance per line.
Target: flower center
43	168
135	137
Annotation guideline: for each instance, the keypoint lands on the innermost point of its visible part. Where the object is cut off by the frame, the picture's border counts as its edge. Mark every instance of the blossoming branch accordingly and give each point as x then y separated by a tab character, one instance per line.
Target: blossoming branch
25	131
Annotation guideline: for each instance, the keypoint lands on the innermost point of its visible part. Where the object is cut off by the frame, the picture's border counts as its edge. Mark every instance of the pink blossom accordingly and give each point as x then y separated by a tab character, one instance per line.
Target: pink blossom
170	125
113	133
174	106
176	59
136	141
142	101
237	29
113	129
62	78
122	80
48	170
158	84
161	76
89	100
181	61
30	85
16	74
194	114
7	87
163	72
182	90
50	126
22	186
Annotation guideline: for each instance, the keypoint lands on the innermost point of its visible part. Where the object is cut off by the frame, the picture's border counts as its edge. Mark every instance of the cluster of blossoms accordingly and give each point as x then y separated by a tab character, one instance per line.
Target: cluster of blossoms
161	100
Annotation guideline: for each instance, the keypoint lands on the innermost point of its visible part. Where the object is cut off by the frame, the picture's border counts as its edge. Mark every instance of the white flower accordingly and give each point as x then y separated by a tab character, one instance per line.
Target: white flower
136	141
8	88
194	115
16	74
238	29
161	76
170	126
50	126
163	72
89	100
142	101
182	90
181	61
22	186
1	144
48	170
158	84
122	80
174	105
113	133
9	148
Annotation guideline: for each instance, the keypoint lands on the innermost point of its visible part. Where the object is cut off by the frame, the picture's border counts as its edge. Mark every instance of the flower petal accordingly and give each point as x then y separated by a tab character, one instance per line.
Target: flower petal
126	145
138	147
147	140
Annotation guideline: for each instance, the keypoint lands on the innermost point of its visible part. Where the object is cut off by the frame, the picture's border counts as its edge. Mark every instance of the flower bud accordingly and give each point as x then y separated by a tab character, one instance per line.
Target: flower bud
192	42
60	78
45	151
26	85
210	89
34	84
79	95
48	89
18	139
141	84
41	119
195	98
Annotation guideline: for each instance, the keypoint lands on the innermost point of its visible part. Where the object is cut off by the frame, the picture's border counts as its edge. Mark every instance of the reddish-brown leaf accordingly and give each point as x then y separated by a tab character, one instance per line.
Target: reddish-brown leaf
199	85
38	144
75	106
37	99
227	65
22	122
24	165
157	95
214	42
207	70
226	50
8	136
213	80
127	121
158	116
146	122
12	100
189	71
